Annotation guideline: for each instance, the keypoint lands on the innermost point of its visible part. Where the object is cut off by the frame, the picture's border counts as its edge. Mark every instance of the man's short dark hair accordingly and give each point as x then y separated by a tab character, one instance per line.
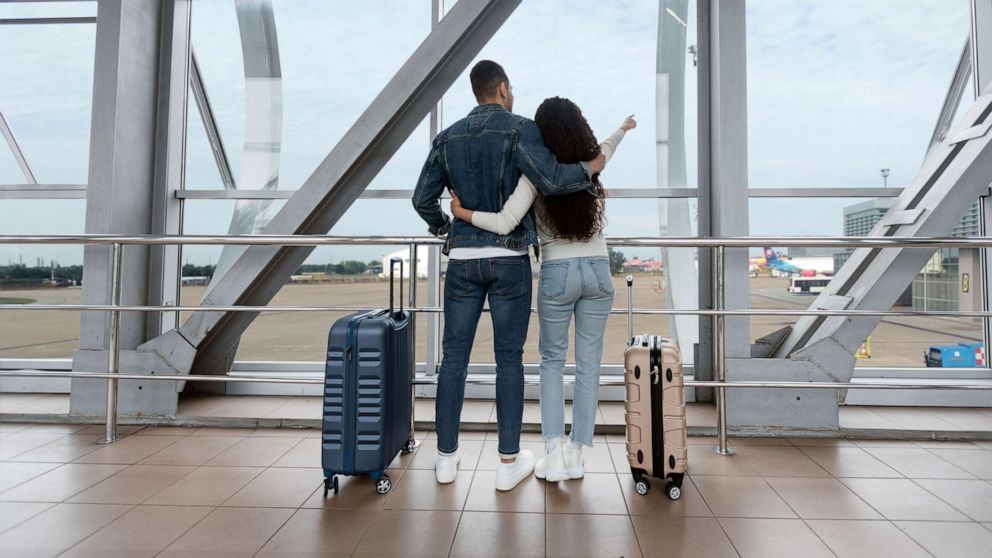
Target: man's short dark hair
486	76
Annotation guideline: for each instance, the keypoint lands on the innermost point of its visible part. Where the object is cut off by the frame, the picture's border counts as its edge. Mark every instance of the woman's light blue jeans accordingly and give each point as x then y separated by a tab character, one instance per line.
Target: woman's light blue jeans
581	287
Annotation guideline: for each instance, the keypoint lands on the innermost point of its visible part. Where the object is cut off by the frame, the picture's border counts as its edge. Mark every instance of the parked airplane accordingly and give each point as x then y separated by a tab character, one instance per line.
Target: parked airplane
772	261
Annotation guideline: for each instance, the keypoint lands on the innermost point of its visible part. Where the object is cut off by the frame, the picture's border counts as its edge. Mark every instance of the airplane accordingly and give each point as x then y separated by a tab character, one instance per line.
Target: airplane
772	261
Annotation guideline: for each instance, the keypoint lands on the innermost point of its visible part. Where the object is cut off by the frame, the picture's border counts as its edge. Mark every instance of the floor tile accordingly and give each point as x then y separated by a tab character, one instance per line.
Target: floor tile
427	454
410	532
977	463
590	535
902	499
13	474
419	490
860	539
129	450
971	497
820	442
741	497
356	492
946	444
597	493
55	530
499	534
320	533
773	461
222	431
232	529
24	441
122	429
656	502
192	450
279	488
304	454
918	463
858	418
950	540
821	498
63	450
144	530
13	513
528	496
60	484
597	459
206	486
682	536
133	485
281	432
167	431
755	441
771	538
873	443
254	452
850	462
703	461
913	418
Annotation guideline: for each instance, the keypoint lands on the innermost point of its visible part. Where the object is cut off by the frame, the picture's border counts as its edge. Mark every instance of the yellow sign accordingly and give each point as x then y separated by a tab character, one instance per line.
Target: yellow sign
864	351
965	282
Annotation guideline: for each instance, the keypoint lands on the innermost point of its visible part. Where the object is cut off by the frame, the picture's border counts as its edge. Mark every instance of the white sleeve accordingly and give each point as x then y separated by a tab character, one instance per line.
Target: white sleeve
514	210
609	146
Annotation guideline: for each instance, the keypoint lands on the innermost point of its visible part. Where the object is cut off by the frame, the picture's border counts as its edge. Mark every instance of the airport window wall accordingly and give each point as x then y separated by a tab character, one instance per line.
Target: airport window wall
840	96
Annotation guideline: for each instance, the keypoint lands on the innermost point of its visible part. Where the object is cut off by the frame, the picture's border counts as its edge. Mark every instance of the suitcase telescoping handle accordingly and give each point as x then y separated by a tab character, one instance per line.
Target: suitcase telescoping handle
392	267
630	309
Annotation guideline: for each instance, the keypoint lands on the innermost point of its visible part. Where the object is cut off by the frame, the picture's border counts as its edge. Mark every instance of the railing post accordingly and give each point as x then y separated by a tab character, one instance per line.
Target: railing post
116	252
719	353
413	339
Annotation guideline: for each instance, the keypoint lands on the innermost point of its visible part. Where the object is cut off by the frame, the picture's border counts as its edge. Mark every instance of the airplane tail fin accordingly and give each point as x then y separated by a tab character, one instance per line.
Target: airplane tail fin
770	254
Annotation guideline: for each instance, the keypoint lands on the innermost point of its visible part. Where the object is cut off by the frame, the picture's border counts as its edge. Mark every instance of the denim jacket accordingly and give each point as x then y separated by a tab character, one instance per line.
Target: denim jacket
481	158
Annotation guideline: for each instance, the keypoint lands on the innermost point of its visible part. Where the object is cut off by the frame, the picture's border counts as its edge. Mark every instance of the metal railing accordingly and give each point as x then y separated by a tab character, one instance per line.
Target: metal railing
718	314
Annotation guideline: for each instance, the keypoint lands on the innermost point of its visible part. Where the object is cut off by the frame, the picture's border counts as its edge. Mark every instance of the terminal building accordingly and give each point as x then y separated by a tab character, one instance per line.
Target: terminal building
207	187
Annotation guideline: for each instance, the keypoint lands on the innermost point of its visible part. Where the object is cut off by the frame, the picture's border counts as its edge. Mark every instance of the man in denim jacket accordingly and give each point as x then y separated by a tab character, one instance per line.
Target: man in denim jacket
481	158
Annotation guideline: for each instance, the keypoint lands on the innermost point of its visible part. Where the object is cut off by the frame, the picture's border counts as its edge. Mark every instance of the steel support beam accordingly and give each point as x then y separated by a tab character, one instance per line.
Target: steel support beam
955	174
727	156
953	98
336	183
130	172
199	89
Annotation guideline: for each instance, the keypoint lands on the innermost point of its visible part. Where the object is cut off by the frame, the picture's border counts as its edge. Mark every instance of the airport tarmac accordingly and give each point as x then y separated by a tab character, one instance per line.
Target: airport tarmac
285	336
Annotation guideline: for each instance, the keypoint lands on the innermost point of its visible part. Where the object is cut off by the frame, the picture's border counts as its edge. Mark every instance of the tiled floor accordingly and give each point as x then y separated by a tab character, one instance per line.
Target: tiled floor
239	492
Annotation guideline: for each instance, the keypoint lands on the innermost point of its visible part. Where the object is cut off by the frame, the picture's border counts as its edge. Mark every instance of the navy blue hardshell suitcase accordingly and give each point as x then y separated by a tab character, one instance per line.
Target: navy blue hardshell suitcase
368	393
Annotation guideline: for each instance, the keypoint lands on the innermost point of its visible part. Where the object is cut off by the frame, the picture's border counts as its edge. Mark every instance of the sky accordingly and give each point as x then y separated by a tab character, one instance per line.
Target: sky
837	89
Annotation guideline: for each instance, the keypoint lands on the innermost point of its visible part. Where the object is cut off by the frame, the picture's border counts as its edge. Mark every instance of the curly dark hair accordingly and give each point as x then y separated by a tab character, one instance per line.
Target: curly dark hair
579	215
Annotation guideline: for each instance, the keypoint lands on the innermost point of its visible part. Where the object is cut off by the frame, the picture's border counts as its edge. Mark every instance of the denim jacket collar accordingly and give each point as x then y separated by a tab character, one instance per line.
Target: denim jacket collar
488	107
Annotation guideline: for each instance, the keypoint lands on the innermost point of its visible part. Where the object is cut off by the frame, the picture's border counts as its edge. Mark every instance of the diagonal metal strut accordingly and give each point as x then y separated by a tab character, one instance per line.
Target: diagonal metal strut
203	343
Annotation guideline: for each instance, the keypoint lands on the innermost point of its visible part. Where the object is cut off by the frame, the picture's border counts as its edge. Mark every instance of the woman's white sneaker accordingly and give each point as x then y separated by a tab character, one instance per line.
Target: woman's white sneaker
551	467
446	467
574	464
509	475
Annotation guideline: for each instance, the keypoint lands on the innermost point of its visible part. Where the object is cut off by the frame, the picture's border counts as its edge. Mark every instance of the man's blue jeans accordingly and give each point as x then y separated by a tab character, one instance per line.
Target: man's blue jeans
508	284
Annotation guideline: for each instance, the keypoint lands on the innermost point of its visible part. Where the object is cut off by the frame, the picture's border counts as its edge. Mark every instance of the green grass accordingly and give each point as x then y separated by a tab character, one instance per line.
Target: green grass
15	300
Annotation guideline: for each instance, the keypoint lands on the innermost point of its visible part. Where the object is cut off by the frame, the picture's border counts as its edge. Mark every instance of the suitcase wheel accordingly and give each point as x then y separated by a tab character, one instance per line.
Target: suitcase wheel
383	485
330	483
674	492
409	446
642	485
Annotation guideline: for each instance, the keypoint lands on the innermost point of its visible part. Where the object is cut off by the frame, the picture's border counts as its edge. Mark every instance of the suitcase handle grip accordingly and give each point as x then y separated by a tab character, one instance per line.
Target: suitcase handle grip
630	308
392	267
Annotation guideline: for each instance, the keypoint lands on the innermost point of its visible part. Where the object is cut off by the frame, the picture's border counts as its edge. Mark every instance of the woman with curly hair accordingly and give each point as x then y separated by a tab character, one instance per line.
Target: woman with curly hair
574	281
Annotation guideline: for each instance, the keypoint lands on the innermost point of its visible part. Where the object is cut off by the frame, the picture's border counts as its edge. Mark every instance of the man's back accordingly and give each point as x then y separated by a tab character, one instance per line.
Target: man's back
481	157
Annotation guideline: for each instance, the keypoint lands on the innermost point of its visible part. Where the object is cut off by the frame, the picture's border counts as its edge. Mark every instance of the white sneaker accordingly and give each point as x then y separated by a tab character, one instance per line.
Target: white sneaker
551	467
509	475
573	461
446	467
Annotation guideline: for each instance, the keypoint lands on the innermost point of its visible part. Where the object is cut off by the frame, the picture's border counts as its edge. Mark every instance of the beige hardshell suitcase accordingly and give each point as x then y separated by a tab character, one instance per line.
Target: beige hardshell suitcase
655	411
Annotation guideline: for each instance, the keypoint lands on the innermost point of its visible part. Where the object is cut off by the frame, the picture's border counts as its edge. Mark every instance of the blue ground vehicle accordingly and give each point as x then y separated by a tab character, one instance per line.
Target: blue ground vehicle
961	355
